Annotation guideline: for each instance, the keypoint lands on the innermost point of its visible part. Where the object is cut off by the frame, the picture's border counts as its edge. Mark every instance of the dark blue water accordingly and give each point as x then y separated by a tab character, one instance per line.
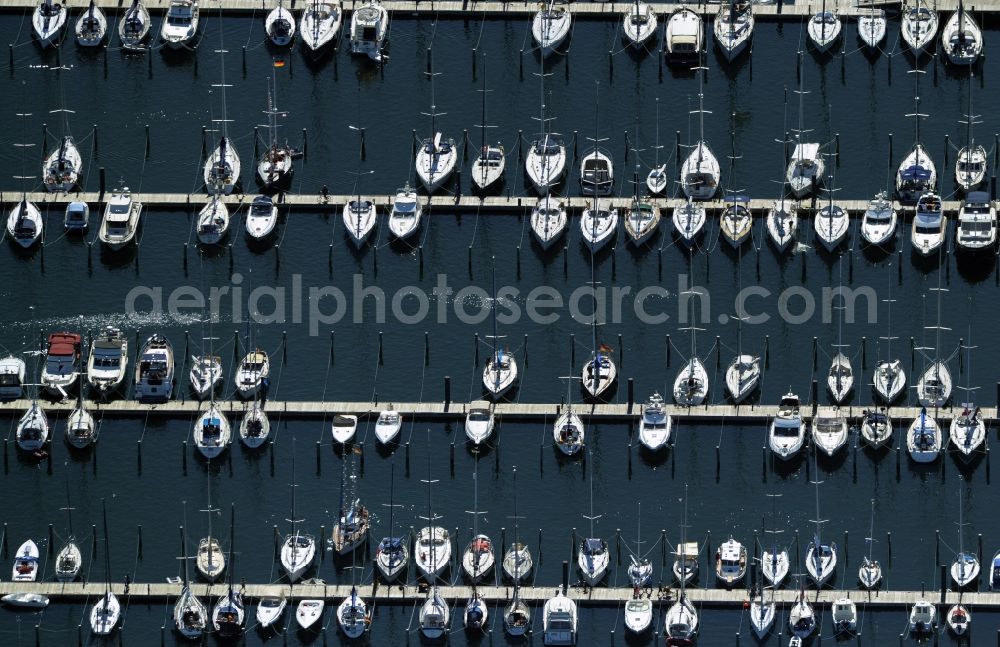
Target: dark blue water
860	98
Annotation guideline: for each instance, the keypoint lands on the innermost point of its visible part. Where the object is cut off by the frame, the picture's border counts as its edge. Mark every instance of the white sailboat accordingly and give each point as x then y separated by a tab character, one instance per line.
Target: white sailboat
106	612
545	162
824	29
831	223
213	222
734	28
81	430
24	223
743	373
229	612
221	171
654	425
69	559
567	430
212	433
923	439
889	378
870	572
599	371
917	173
691	383
965	569
686	555
802	618
968	430
435	616
210	560
500	373
392	556
360	218
961	38
700	172
971	163
255	426
134	26
432	546
639	24
551	25
689	221
821	558
33	428
320	23
298	550
62	167
353	616
774	564
935	384
807	167
871	27
598	225
876	427
91	26
275	167
762	613
593	557
919	26
279	24
517	561
548	220
656	179
477	558
681	621
190	613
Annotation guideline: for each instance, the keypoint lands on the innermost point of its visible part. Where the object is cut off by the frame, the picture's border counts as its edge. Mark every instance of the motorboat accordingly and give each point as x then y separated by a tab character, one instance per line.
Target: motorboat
876	428
12	374
91	26
593	559
133	28
805	170
213	222
352	615
25	563
802	618
435	616
254	370
180	24
436	159
831	225
351	529
639	24
878	225
360	217
689	221
959	619
308	613
916	175
343	428
261	218
559	620
388	425
63	355
432	551
597	175
26	600
47	22
551	25
598	224
24	224
782	222
32	429
923	439
829	430
154	376
255	427
872	27
681	622
489	166
930	226
922	618
638	615
279	24
824	29
968	431
742	377
545	162
840	378
212	433
845	616
548	220
61	169
77	217
685	35
691	384
270	611
977	223
654	425
478	558
961	38
934	386
479	422
404	219
787	433
889	379
700	173
919	26
730	563
121	219
736	222
734	28
369	29
222	168
320	23
568	433
205	375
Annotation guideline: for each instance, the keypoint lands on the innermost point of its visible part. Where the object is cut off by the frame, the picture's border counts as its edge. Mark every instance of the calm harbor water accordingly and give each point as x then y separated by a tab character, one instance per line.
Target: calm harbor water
71	286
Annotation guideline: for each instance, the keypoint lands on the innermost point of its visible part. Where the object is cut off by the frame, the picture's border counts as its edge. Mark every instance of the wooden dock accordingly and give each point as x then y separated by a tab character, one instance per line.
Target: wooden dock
515	205
622	412
397	594
519	9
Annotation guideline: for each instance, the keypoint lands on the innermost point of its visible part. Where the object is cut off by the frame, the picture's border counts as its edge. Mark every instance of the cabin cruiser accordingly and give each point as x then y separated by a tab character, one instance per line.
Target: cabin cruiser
12	372
369	29
77	217
730	563
387	426
787	434
154	376
878	225
845	616
654	425
121	219
930	226
829	430
684	34
343	428
479	422
805	170
685	566
62	362
593	560
262	218
923	617
977	223
180	25
404	219
25	563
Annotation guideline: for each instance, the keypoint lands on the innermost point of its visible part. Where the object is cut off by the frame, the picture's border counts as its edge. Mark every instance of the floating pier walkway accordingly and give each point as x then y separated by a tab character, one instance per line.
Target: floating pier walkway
506	410
596	596
516	205
473	8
